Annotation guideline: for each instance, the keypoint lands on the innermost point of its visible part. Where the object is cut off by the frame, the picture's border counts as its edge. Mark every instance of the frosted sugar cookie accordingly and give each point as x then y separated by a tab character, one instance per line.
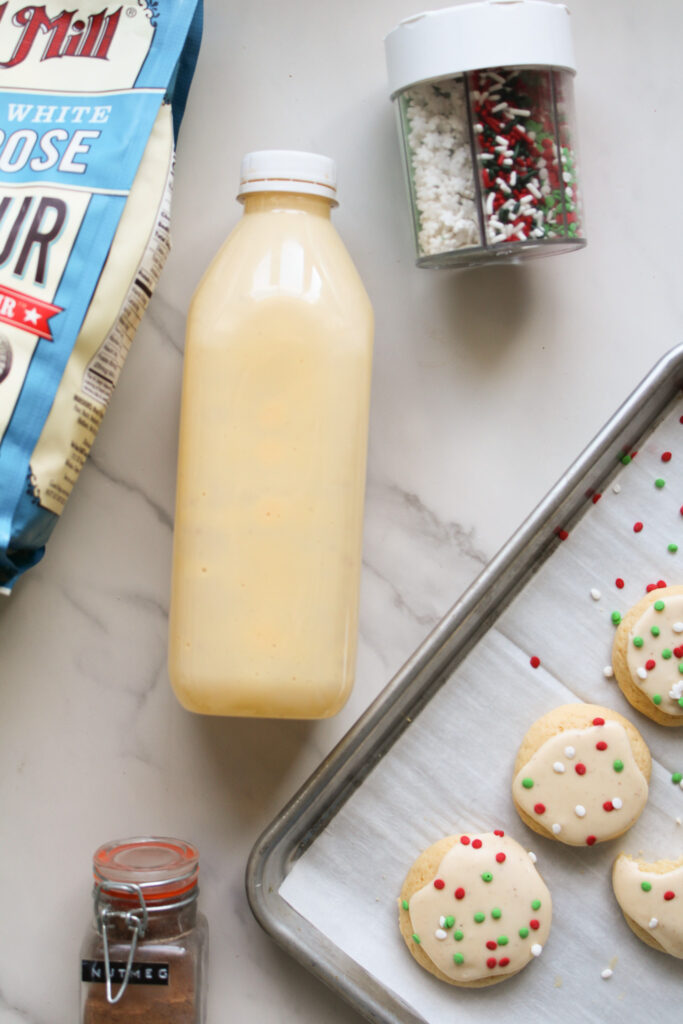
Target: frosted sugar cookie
651	900
581	775
647	655
474	910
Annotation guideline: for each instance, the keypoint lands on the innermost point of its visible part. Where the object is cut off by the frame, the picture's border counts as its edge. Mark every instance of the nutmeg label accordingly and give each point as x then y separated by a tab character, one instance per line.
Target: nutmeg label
94	971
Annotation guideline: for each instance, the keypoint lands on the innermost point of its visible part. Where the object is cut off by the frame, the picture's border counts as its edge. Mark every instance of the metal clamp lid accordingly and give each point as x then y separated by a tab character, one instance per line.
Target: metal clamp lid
138	926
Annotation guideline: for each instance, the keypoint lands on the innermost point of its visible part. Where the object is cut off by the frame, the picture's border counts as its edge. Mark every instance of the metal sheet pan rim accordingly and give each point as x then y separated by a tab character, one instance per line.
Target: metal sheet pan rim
295	826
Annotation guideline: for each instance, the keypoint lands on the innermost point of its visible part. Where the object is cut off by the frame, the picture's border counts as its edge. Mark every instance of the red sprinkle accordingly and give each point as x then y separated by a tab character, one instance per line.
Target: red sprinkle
439	883
533	923
459	893
619	583
650	587
608	805
596	498
476	844
562	534
491	962
678	652
601	745
637	527
661	583
598	721
534	661
539	808
580	768
650	664
590	840
669	895
666	456
498	832
500	857
504	961
465	840
491	944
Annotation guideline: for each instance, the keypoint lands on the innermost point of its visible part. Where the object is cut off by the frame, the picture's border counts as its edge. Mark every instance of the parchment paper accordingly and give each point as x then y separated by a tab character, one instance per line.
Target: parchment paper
452	768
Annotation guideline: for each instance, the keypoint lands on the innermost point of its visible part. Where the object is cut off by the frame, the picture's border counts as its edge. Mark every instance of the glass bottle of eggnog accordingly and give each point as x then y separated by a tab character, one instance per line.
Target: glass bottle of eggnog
272	456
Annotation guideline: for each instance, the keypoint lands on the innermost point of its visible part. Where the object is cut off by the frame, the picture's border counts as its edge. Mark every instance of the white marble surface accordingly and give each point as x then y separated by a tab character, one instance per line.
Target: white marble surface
487	383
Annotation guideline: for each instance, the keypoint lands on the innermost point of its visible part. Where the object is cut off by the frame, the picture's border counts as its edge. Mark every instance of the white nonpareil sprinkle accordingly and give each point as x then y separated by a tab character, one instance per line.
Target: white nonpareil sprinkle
653	922
617	488
536	949
608	672
442	921
607	973
558	767
569	752
580	811
676	691
677	627
557	829
595	594
440	934
642	673
532	856
617	803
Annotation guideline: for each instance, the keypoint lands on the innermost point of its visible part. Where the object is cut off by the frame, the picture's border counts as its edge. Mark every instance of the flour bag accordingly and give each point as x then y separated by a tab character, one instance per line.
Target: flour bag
91	98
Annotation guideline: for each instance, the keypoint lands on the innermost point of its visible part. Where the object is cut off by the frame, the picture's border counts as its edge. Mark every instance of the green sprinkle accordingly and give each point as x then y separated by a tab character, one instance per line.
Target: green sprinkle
673	548
625	459
496	913
523	932
416	938
666	653
655	630
528	783
646	886
659	606
502	940
458	936
680	667
616	618
458	958
657	699
535	904
404	904
487	876
676	777
450	921
659	482
680	702
479	917
618	765
638	641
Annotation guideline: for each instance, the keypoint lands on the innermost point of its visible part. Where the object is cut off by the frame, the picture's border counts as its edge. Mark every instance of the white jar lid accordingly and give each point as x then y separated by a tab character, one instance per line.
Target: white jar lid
496	33
288	170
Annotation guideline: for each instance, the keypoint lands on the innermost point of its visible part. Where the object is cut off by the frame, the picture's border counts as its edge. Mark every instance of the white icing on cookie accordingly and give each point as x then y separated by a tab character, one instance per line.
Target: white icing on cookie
655	664
653	901
580	804
495	907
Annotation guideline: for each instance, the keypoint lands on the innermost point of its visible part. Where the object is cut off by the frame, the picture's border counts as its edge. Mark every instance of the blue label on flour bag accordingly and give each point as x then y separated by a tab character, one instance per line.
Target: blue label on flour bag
90	103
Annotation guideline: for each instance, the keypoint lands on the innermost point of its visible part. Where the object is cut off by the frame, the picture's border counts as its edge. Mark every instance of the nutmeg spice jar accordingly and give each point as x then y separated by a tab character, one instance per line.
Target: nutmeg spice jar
144	957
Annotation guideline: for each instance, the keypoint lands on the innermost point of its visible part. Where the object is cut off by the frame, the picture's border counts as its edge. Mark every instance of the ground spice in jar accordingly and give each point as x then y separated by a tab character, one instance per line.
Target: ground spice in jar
151	920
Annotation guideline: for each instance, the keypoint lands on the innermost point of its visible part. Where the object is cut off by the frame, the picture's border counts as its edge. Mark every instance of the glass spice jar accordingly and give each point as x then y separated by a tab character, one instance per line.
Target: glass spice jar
144	956
484	97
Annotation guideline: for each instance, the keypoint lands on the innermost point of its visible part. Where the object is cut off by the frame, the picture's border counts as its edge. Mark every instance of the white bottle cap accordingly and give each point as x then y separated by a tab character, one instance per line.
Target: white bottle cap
287	170
497	33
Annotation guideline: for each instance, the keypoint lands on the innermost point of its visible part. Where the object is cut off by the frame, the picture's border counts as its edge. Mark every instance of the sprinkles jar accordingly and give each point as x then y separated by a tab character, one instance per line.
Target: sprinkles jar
484	98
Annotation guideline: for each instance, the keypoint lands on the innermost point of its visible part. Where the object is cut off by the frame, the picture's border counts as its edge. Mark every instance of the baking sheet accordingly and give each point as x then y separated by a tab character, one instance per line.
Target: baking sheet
451	771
